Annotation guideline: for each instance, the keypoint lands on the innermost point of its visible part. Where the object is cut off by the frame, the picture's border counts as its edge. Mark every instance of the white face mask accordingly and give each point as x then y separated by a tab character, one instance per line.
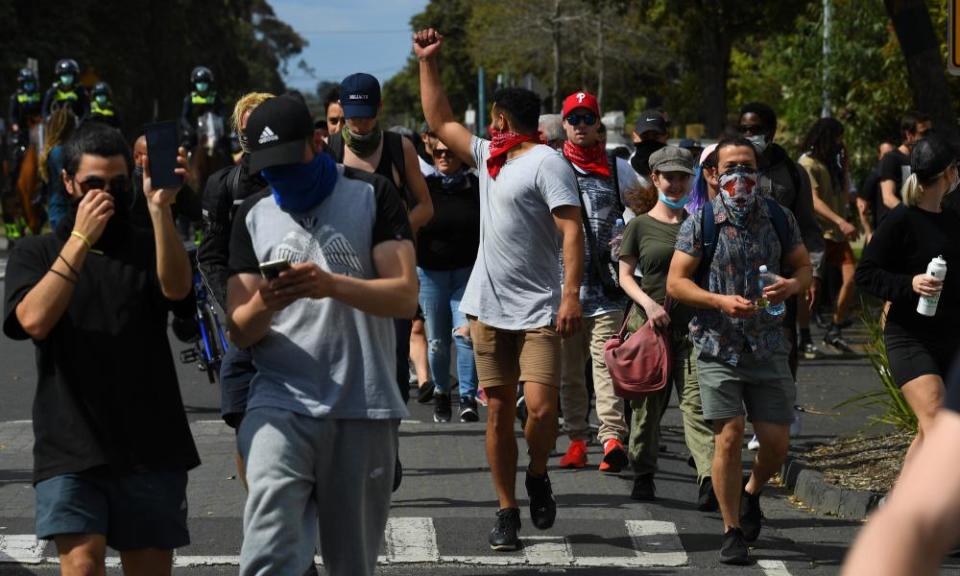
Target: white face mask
759	142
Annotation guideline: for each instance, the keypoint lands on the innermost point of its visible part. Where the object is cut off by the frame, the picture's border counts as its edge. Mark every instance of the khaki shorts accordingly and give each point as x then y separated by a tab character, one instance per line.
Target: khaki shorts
506	357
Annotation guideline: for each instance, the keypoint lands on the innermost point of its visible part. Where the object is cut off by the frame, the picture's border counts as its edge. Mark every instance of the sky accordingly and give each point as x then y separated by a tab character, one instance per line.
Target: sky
349	36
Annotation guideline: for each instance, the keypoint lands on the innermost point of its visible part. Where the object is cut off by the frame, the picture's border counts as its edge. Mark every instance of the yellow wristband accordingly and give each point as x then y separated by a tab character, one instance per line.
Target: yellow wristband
82	237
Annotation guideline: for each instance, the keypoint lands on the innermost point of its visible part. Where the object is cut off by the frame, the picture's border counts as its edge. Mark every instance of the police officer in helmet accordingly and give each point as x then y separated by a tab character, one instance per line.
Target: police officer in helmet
102	108
201	99
66	90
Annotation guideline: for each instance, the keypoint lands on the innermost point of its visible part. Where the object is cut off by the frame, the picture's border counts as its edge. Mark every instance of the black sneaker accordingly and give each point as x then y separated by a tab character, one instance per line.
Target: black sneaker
468	409
834	338
707	499
504	537
734	549
643	488
441	408
425	392
543	506
750	516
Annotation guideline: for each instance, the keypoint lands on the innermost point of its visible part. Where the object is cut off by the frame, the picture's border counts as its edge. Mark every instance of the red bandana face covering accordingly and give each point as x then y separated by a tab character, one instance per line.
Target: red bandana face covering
592	159
502	143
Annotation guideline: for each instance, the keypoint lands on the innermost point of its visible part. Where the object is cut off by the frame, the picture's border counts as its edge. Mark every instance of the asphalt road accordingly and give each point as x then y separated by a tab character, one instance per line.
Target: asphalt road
443	510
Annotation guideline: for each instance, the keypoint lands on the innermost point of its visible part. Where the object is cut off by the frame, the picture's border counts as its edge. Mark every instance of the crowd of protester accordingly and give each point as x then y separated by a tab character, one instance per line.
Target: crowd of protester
499	267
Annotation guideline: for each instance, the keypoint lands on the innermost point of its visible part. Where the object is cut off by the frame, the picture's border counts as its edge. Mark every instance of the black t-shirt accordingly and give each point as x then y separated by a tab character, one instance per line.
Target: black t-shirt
895	165
451	239
107	390
870	192
901	248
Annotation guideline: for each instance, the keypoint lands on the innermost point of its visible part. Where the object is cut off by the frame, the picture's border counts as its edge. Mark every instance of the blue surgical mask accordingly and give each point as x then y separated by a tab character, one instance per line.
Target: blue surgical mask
29	87
302	187
675	204
102	99
202	86
66	79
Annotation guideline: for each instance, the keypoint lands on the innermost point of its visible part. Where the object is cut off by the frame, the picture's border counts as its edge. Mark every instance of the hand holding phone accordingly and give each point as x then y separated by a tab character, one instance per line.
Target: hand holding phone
271	270
162	155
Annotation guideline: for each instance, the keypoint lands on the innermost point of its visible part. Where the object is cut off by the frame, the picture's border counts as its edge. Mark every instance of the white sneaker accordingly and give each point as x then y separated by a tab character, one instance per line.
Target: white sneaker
753	444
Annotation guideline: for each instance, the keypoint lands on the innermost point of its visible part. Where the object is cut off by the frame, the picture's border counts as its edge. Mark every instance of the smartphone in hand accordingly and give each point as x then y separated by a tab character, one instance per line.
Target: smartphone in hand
271	270
162	154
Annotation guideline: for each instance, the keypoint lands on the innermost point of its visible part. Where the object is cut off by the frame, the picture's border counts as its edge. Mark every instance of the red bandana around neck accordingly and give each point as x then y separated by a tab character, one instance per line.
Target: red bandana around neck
591	159
502	143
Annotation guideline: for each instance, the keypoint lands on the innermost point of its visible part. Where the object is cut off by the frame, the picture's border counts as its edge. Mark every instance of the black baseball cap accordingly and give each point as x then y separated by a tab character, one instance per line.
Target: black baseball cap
930	156
277	131
651	121
360	96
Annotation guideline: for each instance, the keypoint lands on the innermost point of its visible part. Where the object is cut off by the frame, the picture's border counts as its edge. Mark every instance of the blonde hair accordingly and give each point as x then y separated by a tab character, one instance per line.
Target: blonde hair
245	104
59	127
913	188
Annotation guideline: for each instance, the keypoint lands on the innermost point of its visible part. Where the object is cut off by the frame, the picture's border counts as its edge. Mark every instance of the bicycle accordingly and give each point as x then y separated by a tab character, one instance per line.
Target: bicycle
210	341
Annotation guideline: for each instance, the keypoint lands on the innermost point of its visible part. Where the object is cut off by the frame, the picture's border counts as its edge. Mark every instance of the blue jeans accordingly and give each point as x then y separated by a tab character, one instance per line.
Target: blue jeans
440	295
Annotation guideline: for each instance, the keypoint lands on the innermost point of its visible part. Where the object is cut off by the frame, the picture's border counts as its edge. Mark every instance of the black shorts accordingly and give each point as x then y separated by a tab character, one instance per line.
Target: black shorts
911	357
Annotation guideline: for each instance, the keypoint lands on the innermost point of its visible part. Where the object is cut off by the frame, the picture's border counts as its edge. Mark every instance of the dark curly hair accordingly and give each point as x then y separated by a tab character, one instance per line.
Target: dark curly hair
522	106
821	140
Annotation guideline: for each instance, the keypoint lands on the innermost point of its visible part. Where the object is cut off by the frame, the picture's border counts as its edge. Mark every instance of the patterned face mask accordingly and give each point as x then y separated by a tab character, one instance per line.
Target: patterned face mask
738	187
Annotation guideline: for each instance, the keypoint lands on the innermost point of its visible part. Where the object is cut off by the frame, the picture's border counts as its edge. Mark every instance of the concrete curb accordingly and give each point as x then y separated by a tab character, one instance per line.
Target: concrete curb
814	491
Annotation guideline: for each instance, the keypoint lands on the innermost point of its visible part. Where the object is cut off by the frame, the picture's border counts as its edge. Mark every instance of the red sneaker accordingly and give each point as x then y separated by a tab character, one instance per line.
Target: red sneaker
614	457
576	456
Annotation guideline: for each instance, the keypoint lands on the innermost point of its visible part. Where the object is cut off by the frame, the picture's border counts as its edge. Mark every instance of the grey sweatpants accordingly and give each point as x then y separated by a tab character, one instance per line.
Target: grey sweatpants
345	466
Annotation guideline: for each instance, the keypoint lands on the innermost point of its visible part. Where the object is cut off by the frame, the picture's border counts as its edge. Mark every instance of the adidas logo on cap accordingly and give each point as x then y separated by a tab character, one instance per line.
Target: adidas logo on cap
267	136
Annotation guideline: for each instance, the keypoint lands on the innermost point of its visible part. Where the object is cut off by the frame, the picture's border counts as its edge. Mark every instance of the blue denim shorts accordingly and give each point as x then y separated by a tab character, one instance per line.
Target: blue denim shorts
133	511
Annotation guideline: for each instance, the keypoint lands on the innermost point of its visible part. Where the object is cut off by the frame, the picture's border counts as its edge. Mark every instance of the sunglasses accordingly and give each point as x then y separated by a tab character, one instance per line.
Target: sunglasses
588	118
440	153
751	130
118	185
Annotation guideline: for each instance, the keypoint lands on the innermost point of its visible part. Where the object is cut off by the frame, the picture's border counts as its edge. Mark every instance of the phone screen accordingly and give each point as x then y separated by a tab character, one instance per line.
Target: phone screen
162	154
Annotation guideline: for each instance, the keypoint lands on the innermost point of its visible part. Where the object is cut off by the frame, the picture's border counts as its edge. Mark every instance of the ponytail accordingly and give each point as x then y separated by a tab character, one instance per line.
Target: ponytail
911	191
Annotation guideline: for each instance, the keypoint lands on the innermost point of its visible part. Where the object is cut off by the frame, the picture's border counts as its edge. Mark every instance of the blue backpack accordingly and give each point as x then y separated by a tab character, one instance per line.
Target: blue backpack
711	233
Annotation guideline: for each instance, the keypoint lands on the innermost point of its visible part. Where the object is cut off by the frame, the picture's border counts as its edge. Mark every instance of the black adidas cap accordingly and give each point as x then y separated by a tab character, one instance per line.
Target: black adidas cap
277	130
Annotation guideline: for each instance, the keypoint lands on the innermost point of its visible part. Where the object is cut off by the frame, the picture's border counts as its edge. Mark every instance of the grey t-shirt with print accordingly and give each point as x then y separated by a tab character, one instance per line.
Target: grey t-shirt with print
515	284
323	358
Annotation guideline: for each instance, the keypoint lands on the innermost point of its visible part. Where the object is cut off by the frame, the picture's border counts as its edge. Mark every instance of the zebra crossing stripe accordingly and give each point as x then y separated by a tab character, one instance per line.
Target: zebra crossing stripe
414	541
773	567
411	540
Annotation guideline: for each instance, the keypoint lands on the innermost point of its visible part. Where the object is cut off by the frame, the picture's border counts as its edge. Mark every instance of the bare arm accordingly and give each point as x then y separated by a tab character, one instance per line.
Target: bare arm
821	208
654	311
421	214
888	192
912	532
567	220
248	313
173	264
681	287
436	106
862	209
43	306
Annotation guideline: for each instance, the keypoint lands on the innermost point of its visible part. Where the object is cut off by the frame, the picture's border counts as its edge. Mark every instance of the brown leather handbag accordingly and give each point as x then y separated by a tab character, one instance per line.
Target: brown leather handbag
639	363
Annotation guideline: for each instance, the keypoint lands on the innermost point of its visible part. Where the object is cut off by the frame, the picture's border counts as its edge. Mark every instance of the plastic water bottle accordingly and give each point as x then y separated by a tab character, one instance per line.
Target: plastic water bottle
937	268
766	279
616	238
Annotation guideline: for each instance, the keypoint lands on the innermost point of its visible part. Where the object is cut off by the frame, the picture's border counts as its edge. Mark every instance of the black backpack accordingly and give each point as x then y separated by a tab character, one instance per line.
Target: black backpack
393	146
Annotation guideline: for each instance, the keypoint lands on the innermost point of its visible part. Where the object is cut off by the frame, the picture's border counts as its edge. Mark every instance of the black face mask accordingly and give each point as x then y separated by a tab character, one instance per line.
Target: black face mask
116	229
641	160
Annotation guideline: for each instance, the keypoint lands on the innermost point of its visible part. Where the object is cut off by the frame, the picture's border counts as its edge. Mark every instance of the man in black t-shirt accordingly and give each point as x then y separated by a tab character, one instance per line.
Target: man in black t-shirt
895	166
112	443
868	195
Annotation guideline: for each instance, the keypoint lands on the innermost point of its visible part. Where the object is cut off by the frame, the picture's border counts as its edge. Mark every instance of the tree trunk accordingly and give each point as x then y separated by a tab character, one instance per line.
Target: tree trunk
600	59
555	93
715	62
925	65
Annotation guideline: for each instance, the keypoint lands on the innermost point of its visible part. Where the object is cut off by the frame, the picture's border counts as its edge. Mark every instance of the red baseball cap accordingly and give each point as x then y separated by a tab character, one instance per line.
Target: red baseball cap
581	100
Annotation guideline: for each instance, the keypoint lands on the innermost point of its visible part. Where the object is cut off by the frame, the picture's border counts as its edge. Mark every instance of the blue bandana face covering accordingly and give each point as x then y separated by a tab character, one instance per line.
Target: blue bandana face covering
302	187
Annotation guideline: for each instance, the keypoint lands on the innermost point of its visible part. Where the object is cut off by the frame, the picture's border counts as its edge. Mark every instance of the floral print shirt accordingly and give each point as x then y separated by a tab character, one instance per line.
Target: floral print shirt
735	271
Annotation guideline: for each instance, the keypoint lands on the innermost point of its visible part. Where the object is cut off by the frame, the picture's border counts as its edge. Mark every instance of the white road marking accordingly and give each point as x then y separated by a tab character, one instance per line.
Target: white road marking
773	567
411	540
21	549
547	551
658	535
